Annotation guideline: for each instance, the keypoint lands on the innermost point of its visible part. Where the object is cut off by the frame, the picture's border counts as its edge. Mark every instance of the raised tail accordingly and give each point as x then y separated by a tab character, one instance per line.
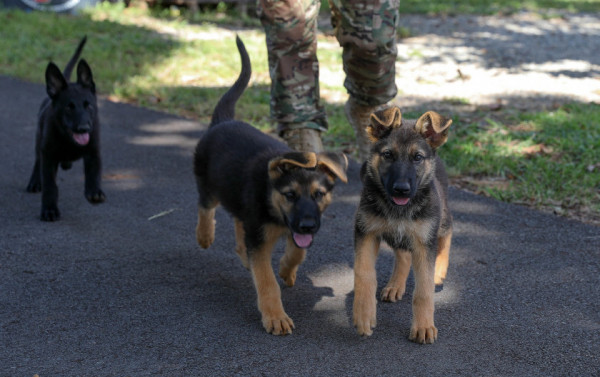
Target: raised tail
225	109
74	59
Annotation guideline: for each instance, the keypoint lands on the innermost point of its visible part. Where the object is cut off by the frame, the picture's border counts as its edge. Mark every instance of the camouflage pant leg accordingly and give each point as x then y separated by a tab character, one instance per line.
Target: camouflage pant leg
366	30
291	28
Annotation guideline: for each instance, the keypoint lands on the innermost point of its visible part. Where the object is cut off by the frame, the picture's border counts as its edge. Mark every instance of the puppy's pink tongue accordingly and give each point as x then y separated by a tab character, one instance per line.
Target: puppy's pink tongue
82	139
400	201
303	240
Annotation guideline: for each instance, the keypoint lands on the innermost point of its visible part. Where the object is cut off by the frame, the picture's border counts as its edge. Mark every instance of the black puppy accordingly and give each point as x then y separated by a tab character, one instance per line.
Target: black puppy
68	129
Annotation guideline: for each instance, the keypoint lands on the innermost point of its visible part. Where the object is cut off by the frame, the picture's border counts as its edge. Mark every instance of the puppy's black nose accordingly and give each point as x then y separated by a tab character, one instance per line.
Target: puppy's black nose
401	189
308	225
83	128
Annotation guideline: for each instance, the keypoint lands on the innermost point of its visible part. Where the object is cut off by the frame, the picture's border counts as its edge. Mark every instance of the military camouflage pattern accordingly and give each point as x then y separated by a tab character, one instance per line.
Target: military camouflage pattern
366	31
291	28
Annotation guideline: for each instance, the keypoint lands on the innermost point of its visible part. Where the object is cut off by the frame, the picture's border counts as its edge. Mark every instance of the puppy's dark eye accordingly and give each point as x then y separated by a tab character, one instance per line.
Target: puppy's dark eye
318	195
86	104
387	155
71	106
418	157
290	195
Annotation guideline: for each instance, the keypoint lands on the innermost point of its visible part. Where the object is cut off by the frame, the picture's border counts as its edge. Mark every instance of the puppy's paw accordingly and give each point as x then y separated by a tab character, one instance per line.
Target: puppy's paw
34	186
364	326
50	214
423	335
205	242
364	318
205	235
392	293
95	196
439	279
279	324
288	275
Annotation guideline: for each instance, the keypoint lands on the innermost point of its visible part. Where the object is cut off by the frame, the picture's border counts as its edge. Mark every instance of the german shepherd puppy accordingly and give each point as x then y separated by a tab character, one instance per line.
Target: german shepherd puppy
403	203
270	190
68	129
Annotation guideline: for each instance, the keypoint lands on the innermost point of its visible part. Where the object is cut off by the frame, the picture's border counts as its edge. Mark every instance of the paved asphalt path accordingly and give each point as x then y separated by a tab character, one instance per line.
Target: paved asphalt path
113	290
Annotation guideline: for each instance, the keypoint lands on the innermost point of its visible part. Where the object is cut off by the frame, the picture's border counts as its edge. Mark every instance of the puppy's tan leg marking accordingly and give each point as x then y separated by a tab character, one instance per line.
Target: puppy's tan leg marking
205	229
441	261
274	318
288	265
396	286
240	243
422	329
364	309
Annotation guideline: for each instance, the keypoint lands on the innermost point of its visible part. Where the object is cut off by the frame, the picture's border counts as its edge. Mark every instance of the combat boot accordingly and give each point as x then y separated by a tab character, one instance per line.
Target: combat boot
303	139
359	118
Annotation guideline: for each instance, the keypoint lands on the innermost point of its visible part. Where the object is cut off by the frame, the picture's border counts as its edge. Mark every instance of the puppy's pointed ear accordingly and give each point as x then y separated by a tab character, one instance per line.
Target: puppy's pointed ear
84	76
334	165
289	161
55	81
382	123
434	128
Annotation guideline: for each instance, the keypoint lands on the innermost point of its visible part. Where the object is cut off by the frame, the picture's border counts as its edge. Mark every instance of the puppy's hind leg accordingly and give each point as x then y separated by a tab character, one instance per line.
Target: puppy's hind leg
240	243
207	204
288	265
205	229
441	261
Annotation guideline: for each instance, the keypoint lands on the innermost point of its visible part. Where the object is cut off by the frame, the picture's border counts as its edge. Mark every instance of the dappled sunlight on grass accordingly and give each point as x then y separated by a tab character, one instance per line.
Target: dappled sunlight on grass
55	37
189	78
548	159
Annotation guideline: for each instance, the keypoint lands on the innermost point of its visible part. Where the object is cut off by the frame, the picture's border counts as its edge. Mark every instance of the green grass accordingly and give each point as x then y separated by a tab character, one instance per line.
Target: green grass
155	59
137	58
549	160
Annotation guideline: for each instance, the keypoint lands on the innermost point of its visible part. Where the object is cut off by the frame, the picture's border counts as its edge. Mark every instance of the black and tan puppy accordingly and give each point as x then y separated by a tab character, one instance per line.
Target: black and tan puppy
68	129
404	203
271	192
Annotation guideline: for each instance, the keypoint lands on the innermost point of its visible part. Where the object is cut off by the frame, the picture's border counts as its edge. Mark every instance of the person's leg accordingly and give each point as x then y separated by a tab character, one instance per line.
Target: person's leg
366	30
290	27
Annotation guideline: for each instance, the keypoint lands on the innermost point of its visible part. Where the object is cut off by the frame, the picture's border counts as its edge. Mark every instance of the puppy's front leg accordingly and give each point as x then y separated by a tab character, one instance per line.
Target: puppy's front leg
396	286
35	183
290	261
423	329
93	169
274	318
50	210
365	283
